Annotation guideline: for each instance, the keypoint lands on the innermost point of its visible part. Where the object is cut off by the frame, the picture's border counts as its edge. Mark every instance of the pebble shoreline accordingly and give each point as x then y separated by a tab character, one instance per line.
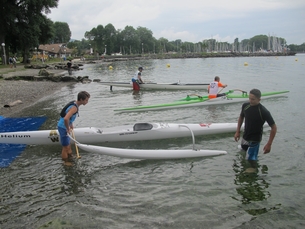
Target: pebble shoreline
29	92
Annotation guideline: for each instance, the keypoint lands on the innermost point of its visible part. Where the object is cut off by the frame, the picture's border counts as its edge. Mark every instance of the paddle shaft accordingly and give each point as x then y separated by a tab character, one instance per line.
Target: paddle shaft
220	90
76	148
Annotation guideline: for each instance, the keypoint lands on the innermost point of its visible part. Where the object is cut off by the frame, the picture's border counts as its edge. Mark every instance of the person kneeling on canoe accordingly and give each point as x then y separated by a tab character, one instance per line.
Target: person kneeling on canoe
65	123
213	88
137	80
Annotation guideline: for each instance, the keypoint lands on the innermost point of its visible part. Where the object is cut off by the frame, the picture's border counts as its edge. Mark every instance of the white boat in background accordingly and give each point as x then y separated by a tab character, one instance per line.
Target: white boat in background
135	132
159	86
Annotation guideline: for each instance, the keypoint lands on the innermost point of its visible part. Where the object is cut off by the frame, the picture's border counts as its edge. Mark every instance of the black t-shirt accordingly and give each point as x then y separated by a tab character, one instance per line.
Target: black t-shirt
255	117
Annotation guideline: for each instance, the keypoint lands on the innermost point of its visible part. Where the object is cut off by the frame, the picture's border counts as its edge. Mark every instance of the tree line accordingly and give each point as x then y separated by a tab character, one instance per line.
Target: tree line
25	25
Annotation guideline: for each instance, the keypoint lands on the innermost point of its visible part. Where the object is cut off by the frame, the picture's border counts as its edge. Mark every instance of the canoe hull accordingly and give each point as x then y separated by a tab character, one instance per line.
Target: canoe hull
136	132
159	86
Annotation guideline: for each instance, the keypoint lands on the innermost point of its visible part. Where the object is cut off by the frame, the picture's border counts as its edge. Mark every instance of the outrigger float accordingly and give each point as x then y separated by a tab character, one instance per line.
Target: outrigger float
151	154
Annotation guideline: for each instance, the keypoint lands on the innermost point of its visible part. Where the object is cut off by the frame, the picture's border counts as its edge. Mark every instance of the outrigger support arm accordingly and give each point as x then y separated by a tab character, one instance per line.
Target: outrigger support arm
192	135
244	92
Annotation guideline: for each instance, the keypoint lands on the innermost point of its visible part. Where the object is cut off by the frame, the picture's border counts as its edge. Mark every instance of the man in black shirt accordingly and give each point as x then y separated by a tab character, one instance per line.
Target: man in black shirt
255	115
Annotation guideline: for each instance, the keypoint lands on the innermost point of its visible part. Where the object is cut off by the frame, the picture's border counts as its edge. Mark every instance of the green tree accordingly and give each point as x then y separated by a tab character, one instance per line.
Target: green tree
24	24
91	35
79	47
62	32
177	44
259	42
297	48
111	39
130	39
99	38
146	39
103	39
163	45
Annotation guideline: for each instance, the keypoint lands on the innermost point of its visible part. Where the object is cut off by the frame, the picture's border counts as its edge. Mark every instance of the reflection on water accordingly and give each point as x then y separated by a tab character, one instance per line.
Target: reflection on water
136	95
75	180
251	187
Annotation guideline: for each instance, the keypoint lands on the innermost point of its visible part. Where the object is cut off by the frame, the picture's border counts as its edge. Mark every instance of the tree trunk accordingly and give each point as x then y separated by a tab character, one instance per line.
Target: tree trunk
25	56
2	40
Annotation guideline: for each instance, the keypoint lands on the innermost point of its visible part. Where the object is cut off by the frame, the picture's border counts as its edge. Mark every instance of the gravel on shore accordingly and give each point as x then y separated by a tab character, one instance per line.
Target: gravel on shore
29	92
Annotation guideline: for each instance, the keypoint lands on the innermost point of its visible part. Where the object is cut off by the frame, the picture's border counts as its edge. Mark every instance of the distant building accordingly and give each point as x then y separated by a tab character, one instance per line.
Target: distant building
55	50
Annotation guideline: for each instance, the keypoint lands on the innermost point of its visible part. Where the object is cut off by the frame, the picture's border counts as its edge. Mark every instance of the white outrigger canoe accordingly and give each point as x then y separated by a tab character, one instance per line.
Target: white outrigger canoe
159	86
136	132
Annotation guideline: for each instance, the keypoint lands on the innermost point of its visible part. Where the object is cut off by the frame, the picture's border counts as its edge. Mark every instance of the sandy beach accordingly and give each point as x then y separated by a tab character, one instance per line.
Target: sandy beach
28	92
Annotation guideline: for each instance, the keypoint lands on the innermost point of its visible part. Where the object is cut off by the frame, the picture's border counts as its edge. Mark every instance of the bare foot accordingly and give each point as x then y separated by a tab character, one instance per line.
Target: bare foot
68	163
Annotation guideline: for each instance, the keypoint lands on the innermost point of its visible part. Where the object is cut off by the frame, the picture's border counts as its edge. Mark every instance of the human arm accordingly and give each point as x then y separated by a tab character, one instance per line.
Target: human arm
222	85
239	124
140	79
267	147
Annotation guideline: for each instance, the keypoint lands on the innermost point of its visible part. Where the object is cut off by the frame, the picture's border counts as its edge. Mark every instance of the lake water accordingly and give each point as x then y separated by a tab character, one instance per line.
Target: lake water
108	192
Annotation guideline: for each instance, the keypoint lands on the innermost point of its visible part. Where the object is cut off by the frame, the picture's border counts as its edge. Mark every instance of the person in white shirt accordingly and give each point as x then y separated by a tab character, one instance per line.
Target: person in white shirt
213	88
137	80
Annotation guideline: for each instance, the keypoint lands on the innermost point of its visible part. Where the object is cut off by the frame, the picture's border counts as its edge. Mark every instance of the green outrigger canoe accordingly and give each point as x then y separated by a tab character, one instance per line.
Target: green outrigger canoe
196	100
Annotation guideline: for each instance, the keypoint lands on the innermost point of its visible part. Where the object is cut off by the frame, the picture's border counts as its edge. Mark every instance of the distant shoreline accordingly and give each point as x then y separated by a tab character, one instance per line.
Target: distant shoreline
185	55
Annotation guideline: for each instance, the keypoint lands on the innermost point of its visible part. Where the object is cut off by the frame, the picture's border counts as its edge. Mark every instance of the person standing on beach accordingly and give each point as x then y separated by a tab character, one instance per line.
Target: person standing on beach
14	61
10	60
69	65
137	80
213	88
65	124
255	115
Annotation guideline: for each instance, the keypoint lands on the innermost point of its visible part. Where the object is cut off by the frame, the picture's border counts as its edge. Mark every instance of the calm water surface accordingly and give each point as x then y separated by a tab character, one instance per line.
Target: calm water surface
107	192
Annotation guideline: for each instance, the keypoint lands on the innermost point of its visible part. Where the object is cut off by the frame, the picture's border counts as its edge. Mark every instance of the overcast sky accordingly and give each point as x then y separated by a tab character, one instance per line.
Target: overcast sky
188	20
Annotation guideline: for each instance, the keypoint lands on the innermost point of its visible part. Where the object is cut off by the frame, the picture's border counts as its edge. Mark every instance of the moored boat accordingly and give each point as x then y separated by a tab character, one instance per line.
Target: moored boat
160	86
